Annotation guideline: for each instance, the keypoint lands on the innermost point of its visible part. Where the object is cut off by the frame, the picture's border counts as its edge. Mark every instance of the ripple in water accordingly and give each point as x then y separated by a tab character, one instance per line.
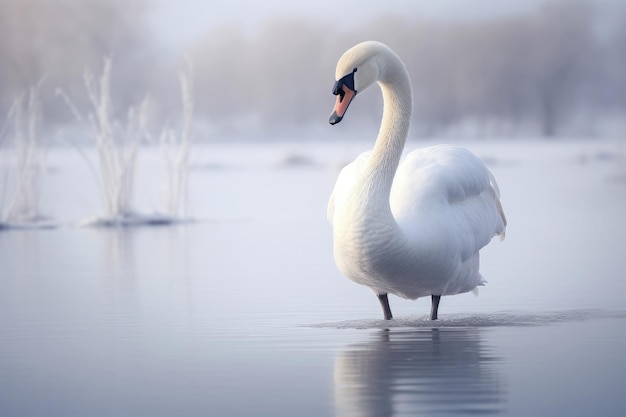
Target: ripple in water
507	319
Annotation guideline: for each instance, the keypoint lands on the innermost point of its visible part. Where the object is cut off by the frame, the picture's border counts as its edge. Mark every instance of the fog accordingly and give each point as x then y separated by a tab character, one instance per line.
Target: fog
554	68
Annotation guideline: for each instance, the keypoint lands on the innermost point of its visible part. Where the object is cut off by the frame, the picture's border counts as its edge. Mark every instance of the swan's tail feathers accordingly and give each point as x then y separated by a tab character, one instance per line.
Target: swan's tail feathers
496	194
481	282
502	234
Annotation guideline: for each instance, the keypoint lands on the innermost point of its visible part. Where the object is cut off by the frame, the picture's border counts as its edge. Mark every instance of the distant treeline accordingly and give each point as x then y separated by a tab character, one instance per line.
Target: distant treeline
559	70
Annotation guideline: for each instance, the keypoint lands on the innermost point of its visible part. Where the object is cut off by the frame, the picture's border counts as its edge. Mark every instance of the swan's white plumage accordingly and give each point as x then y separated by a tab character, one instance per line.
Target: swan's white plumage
413	228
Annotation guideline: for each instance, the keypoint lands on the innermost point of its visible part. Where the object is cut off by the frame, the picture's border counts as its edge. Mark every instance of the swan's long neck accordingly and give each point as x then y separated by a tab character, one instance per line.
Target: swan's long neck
398	105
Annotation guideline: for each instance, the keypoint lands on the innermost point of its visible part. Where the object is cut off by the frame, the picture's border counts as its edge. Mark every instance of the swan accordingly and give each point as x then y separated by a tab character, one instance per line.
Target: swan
415	228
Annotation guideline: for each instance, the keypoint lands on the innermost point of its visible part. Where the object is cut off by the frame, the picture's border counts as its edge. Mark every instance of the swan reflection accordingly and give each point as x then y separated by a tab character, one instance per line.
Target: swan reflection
413	372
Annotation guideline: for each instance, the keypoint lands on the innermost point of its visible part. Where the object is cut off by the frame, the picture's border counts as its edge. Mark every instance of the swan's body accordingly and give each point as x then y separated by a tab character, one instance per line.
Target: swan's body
412	229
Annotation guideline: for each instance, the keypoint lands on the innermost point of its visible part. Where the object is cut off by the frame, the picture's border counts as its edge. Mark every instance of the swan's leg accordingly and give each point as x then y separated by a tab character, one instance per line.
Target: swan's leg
434	307
384	303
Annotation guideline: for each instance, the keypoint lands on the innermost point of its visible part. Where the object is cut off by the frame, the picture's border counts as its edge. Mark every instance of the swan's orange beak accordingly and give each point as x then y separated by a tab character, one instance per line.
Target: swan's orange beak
344	98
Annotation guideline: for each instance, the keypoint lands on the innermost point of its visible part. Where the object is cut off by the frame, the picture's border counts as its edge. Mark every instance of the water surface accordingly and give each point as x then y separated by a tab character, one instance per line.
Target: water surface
243	313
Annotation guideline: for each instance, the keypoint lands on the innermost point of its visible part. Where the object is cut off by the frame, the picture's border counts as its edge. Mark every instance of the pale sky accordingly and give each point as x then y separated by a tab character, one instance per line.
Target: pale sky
181	21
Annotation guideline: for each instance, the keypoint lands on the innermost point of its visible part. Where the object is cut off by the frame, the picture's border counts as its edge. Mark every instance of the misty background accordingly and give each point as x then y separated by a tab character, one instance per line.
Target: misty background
538	68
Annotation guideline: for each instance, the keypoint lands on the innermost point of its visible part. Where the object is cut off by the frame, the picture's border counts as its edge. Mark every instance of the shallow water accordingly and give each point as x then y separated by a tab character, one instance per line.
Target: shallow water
243	313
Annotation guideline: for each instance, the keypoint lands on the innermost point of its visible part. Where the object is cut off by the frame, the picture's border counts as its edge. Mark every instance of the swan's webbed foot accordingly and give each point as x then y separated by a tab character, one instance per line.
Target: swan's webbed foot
384	303
434	306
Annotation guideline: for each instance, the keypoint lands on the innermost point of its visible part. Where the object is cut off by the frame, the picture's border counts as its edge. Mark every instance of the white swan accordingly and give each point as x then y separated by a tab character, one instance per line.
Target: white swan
412	229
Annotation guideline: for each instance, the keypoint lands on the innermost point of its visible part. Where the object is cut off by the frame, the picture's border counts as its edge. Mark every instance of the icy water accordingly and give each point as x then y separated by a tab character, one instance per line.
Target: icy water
243	312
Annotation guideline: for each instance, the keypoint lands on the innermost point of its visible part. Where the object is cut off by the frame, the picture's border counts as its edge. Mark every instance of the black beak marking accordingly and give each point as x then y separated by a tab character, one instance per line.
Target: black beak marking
348	81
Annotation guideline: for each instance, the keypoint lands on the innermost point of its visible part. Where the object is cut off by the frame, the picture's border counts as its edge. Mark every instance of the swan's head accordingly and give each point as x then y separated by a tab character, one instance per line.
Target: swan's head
358	68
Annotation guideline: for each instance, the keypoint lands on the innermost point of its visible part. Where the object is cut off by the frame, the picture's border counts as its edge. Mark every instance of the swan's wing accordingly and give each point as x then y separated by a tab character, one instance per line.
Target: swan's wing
345	183
447	195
